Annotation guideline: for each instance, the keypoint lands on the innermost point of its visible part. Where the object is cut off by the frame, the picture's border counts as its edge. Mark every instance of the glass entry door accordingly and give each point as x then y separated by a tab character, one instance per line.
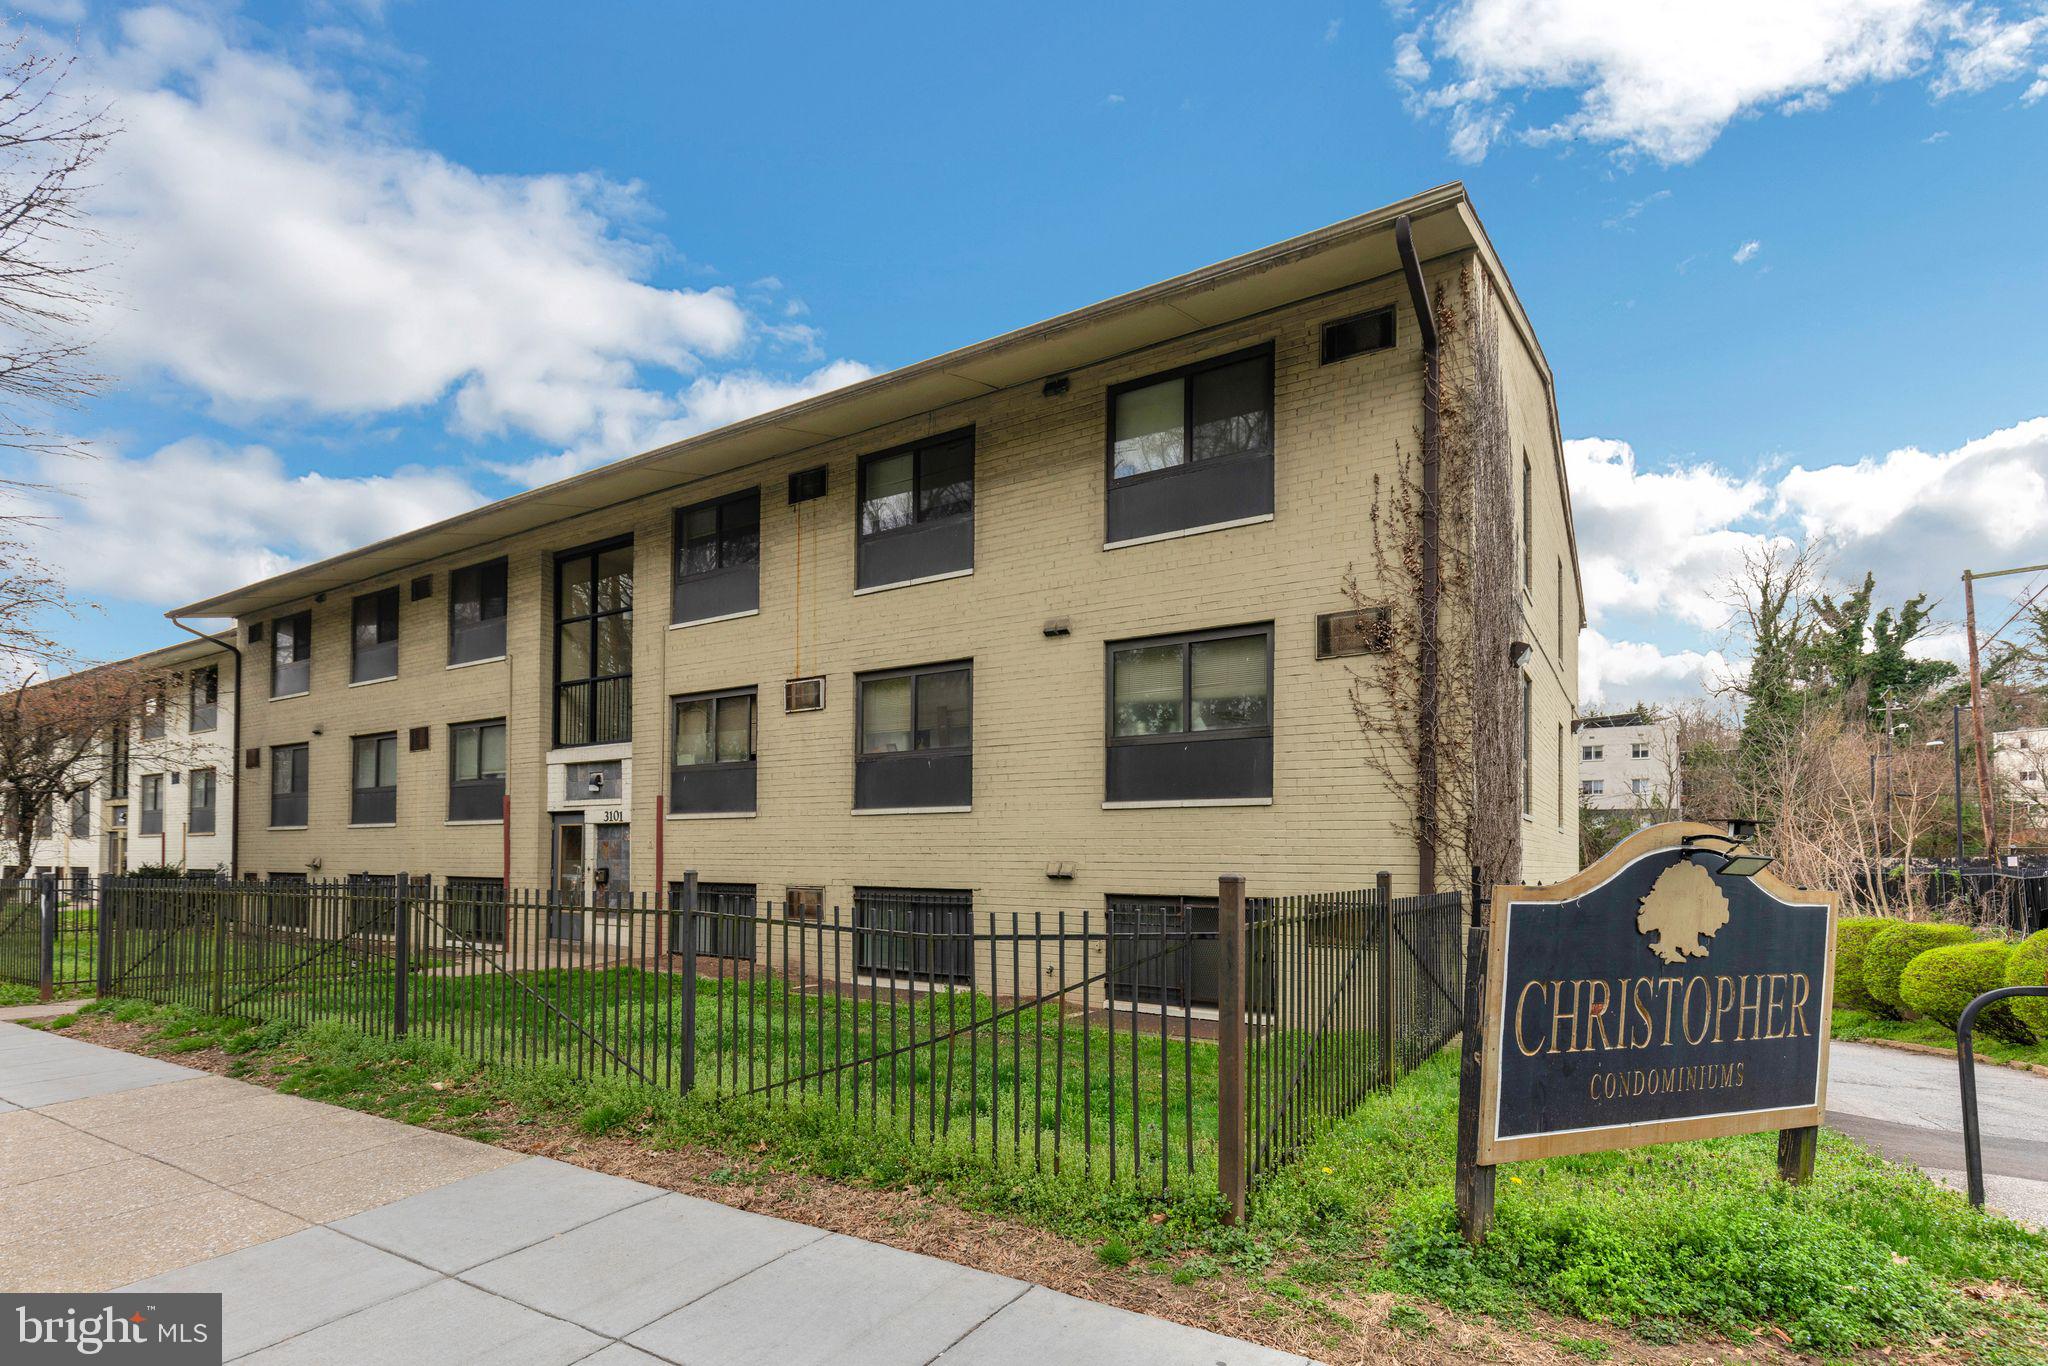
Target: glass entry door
569	878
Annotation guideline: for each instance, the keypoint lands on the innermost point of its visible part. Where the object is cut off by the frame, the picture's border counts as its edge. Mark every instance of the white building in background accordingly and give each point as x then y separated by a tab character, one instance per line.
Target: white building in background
1628	761
2020	760
164	792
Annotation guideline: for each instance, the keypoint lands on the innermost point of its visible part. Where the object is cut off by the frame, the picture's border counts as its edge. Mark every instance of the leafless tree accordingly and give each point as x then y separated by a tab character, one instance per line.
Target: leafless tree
1477	729
49	144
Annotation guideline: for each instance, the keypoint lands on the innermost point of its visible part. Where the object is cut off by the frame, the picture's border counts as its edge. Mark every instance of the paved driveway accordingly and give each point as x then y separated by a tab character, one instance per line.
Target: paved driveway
340	1237
1908	1106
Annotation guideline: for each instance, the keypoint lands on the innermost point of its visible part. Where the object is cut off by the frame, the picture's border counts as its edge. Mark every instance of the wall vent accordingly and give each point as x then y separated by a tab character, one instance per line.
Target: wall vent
804	694
421	737
805	485
255	633
1348	337
423	588
1365	631
252	758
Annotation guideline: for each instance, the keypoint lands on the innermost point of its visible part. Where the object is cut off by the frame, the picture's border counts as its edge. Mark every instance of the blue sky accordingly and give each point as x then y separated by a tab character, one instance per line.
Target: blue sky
381	262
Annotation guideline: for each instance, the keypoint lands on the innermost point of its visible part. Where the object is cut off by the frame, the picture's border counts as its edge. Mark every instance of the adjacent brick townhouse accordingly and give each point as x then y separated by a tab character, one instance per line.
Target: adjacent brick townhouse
1044	621
159	792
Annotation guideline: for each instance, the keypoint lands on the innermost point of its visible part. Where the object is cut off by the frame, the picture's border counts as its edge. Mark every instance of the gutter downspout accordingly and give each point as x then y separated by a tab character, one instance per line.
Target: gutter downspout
1427	662
235	758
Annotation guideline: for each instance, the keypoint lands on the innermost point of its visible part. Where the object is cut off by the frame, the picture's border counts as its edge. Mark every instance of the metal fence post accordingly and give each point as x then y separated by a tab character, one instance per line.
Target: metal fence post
103	939
46	943
1383	887
219	1001
401	953
686	945
1230	1050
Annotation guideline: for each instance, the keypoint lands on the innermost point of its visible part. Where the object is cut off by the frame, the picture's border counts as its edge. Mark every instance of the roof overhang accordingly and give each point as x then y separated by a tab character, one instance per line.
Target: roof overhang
1357	249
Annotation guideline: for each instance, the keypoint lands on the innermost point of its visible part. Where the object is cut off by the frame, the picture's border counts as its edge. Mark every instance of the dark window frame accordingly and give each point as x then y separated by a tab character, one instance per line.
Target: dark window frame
458	580
359	653
731	922
1187	974
195	780
301	623
156	707
473	909
1187	372
680	576
917	450
922	903
1184	639
912	672
203	699
482	788
728	784
592	682
150	817
376	804
302	769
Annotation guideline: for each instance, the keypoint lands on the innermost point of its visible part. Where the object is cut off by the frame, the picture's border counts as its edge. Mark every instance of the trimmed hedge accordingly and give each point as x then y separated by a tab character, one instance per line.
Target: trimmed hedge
1940	982
2028	967
1891	948
1852	936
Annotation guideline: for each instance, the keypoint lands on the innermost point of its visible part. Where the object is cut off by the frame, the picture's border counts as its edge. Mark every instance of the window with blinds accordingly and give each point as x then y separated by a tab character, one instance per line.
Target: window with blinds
711	760
1190	717
914	749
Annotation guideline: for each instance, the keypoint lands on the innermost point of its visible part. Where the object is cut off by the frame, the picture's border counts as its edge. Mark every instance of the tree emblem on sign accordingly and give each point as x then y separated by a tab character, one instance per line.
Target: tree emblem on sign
1682	910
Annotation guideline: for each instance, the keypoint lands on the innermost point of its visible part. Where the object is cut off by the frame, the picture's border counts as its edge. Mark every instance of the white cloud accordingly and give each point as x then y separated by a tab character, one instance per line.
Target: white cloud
710	401
1332	29
1664	80
1657	543
198	516
1615	673
1746	253
278	247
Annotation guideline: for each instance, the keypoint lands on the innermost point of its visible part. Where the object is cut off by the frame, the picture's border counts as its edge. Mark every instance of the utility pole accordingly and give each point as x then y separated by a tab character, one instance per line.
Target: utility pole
1955	745
1984	797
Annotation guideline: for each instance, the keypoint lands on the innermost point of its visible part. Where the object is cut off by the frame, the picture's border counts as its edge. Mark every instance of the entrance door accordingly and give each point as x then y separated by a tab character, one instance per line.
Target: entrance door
569	889
611	870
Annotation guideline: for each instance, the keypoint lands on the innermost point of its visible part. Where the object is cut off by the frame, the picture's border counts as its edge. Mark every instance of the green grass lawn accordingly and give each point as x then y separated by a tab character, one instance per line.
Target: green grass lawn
1672	1242
1853	1025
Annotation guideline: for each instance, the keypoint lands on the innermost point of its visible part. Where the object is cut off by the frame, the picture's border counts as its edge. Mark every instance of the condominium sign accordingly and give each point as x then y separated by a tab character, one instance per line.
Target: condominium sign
1658	995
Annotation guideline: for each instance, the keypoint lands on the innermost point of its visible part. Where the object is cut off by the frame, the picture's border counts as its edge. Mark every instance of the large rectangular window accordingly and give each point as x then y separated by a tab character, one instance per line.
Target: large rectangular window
473	909
594	645
373	782
152	804
81	815
926	936
718	559
476	613
291	655
476	776
153	712
724	922
200	790
205	699
289	770
1164	949
373	639
1191	717
1192	447
916	739
917	511
711	762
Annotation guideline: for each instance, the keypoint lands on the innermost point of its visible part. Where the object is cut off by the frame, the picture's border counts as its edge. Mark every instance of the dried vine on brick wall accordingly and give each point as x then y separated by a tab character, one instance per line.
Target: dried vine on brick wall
1478	726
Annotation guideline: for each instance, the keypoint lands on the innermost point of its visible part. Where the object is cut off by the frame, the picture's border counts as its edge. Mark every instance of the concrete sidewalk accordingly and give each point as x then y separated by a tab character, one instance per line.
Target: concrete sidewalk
335	1236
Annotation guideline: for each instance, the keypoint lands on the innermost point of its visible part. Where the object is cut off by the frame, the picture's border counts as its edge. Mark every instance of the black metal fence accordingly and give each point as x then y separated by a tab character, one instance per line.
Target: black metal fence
1085	1041
2015	899
49	934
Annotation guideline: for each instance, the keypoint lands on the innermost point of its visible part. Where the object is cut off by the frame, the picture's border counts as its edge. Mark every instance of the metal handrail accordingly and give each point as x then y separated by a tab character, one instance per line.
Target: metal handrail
1966	1062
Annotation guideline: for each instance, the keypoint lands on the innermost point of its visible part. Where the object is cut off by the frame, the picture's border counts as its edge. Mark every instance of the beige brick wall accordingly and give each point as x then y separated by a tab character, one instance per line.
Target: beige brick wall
1038	702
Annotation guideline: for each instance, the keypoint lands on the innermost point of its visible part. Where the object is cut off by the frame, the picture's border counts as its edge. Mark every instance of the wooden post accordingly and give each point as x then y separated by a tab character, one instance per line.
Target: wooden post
1383	887
1474	1182
1795	1153
1230	1059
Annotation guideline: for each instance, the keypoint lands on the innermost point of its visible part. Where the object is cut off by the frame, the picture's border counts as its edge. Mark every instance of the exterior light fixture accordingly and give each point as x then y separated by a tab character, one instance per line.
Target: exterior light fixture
1735	860
596	783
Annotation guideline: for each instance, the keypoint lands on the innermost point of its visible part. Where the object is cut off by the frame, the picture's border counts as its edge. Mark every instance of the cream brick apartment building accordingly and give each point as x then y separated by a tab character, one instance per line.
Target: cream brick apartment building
1035	623
162	793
